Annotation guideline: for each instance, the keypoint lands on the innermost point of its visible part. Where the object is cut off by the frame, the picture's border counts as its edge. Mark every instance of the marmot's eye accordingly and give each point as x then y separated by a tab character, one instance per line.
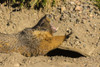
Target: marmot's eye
22	32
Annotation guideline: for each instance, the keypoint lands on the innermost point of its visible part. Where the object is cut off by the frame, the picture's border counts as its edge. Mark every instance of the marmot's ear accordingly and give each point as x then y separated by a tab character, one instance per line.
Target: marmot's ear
44	24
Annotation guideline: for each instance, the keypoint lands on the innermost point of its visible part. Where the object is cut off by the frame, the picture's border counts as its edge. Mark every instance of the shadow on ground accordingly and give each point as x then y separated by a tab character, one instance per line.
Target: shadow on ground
65	53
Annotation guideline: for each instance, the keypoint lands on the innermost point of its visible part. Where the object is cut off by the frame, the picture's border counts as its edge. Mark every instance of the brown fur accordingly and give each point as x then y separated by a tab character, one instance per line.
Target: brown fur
31	42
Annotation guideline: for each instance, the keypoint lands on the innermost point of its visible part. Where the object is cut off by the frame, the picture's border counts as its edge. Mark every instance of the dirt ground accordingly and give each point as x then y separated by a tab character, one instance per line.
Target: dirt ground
79	17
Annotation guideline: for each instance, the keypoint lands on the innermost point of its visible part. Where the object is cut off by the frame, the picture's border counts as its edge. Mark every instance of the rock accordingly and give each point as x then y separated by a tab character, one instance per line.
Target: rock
49	61
78	3
63	8
0	11
72	3
91	15
16	65
78	8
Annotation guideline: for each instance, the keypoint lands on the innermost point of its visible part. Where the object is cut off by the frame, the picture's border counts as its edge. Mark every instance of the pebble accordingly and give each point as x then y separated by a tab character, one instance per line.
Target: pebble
78	3
72	3
0	11
91	15
77	20
49	61
63	9
16	65
78	8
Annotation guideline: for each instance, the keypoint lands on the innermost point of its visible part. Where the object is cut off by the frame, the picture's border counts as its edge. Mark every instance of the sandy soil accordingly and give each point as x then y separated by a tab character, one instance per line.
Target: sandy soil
79	17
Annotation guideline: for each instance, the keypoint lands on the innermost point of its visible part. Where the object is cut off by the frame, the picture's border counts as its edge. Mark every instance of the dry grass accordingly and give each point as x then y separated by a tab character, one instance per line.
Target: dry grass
30	3
97	3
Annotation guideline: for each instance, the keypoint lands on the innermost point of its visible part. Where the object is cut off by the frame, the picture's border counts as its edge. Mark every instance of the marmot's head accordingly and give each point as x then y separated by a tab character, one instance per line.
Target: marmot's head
44	24
39	40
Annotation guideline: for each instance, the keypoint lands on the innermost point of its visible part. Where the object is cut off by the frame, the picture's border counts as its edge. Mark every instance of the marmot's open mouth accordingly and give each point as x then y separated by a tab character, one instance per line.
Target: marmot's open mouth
54	29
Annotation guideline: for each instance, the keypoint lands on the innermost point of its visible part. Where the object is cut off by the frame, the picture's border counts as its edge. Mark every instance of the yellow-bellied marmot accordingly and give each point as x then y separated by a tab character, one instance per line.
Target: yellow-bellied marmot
31	41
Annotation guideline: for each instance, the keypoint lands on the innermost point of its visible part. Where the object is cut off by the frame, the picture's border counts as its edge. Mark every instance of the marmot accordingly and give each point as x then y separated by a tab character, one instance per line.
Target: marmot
31	41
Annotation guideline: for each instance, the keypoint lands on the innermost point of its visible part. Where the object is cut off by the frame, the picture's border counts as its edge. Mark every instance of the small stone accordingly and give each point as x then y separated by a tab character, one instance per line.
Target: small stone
16	65
0	11
77	20
80	11
78	8
49	61
78	3
63	9
72	3
91	15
